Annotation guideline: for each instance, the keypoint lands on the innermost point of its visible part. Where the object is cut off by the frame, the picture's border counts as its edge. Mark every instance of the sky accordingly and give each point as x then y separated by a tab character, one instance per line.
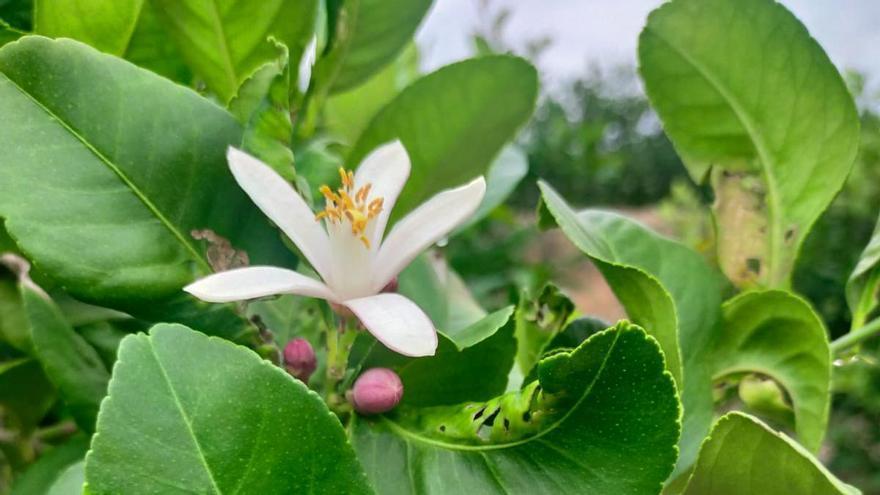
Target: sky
605	32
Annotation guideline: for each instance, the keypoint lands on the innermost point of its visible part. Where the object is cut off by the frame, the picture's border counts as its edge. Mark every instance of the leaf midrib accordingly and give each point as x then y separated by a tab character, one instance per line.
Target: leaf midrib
119	173
760	147
403	432
186	420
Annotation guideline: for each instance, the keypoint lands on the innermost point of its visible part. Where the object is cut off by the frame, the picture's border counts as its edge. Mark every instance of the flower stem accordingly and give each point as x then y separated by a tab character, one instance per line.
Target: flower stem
856	336
339	343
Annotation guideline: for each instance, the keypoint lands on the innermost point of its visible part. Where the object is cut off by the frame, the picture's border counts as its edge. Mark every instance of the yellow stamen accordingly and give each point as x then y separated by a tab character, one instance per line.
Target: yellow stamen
355	207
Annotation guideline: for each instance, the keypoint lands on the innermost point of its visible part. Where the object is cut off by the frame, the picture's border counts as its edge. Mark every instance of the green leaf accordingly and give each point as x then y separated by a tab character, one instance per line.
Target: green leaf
71	480
440	292
750	99
743	456
8	33
25	394
71	364
224	41
262	106
779	335
470	364
505	173
105	336
151	48
603	420
41	475
347	114
104	24
666	288
368	35
191	414
103	195
538	320
864	282
18	13
14	328
453	122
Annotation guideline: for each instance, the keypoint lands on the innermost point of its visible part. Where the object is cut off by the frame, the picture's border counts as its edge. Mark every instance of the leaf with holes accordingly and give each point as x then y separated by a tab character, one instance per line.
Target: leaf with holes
538	320
742	455
665	287
194	414
752	101
224	41
102	195
602	418
470	364
453	122
778	334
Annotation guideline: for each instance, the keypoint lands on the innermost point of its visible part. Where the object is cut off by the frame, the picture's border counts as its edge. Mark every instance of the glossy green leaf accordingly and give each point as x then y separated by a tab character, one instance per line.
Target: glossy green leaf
538	320
744	456
150	47
453	122
864	282
41	475
71	480
103	195
666	288
25	393
347	114
263	107
188	413
603	420
104	24
440	292
471	364
224	41
505	173
750	99
368	34
70	362
779	335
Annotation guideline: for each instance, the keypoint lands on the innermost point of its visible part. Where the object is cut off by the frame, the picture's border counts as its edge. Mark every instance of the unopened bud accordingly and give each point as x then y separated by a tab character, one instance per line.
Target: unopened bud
299	359
376	391
391	286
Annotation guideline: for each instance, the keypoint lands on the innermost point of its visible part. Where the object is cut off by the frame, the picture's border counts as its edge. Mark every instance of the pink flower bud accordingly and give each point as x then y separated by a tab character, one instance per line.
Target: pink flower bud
299	359
391	286
377	390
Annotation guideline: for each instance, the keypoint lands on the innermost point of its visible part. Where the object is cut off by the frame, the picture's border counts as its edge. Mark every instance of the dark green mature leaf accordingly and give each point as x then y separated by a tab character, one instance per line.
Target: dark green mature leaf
71	364
104	24
743	456
778	334
603	420
25	393
18	13
745	93
225	40
41	475
471	364
538	320
864	282
263	107
102	195
105	336
151	48
71	480
368	34
665	287
191	414
453	122
8	33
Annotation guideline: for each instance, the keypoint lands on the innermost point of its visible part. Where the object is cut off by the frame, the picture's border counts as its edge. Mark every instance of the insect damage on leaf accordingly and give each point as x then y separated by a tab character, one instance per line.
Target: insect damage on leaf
221	255
740	205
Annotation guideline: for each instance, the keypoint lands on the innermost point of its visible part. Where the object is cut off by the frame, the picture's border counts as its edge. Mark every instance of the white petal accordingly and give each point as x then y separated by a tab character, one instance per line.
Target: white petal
256	281
305	65
284	206
424	226
396	322
387	169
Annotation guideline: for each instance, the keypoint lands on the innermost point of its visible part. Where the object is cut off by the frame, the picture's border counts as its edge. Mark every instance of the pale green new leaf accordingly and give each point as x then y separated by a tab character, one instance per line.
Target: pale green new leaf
453	122
103	195
778	334
71	480
224	41
104	24
191	414
742	456
750	99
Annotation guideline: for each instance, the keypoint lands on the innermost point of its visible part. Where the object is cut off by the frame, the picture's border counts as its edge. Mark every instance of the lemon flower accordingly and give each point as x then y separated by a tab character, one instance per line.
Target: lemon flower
344	243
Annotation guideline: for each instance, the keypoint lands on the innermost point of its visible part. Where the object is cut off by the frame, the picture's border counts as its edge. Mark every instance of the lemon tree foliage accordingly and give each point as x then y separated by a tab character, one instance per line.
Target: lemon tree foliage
177	317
